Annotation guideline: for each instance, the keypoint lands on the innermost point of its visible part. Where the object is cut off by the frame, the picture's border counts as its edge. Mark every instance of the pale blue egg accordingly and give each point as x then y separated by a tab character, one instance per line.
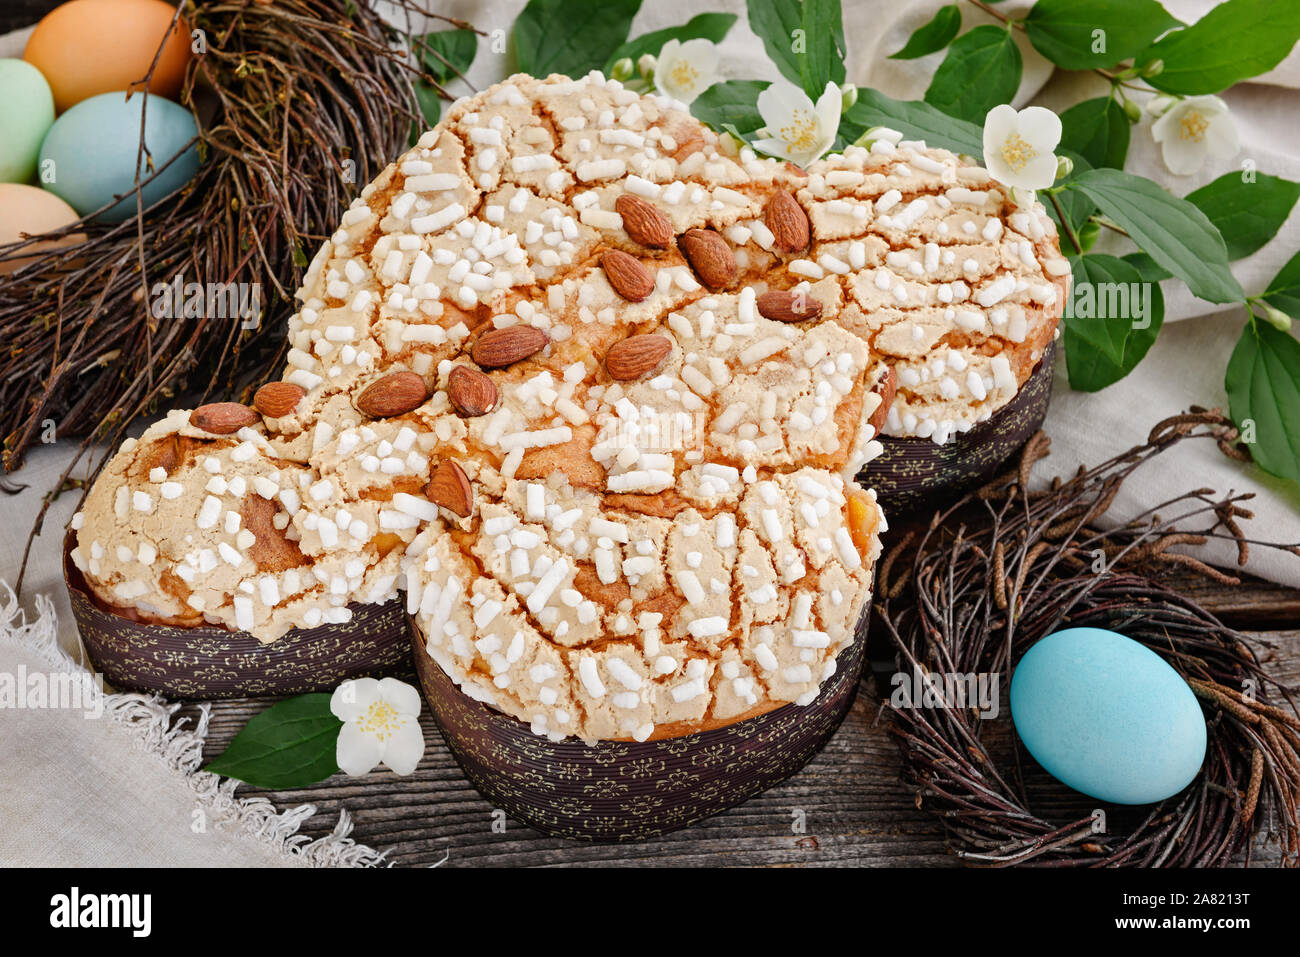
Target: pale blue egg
1107	716
89	155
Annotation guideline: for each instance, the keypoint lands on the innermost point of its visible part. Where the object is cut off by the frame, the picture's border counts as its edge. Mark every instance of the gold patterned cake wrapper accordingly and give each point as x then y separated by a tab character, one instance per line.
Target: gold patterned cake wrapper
206	662
913	474
614	791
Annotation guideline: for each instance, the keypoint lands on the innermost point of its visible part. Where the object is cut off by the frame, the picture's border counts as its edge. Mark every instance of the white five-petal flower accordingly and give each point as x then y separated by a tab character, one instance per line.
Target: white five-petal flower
1019	146
795	129
380	725
1193	129
685	70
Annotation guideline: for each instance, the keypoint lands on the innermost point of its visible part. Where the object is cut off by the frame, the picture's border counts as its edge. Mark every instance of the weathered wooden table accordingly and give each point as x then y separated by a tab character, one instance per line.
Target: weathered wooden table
855	810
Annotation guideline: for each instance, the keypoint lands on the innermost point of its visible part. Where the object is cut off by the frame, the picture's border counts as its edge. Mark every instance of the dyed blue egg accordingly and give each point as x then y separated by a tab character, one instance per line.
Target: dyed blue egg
89	154
1107	716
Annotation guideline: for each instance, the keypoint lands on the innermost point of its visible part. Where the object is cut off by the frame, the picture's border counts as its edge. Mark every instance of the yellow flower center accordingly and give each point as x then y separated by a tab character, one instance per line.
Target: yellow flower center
1017	153
380	720
683	75
1193	125
801	134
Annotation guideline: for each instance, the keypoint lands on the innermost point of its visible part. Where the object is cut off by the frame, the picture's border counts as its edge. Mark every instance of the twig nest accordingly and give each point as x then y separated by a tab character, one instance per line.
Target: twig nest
1003	568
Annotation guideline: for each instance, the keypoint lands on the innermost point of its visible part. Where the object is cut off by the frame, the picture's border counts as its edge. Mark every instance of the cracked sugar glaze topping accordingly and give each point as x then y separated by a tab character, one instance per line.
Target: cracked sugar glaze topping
592	387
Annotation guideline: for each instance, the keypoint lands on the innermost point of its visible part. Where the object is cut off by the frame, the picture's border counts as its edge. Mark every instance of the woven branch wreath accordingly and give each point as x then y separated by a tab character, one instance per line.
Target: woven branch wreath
1007	565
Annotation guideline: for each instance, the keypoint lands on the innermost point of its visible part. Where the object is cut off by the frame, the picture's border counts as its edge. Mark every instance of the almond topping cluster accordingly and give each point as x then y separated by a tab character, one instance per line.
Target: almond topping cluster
591	387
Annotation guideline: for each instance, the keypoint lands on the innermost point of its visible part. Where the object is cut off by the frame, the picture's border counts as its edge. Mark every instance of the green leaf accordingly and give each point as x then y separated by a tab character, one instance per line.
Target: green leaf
823	59
935	35
430	101
1111	321
1247	214
1284	290
447	53
1099	33
981	70
1176	234
704	26
443	55
915	119
775	22
1087	235
1263	385
1146	267
1234	41
733	104
1097	130
572	37
289	745
804	38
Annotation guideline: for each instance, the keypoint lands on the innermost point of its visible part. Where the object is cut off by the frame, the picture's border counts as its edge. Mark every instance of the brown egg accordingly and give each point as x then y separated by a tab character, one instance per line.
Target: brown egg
29	210
88	47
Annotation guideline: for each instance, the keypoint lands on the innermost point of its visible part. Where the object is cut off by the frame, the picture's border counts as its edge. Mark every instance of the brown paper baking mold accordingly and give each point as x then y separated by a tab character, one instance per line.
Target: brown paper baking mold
208	662
627	790
913	474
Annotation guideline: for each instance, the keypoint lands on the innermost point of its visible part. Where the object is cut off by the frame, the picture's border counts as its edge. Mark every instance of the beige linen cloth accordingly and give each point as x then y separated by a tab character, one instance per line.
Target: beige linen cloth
123	790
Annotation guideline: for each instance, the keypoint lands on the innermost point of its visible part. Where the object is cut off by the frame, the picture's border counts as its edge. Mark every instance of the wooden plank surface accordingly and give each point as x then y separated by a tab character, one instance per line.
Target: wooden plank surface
1254	605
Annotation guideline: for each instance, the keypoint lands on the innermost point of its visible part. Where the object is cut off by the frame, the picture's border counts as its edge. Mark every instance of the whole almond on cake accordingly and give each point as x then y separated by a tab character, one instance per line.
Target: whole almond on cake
630	279
636	356
277	399
394	394
786	305
499	348
222	418
787	222
450	488
710	256
471	392
643	221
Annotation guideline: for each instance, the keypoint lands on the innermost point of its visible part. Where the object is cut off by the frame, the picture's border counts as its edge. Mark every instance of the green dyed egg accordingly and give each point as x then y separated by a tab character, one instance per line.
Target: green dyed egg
26	115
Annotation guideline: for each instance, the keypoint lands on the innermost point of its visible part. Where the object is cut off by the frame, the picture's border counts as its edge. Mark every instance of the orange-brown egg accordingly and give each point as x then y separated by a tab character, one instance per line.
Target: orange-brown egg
88	47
